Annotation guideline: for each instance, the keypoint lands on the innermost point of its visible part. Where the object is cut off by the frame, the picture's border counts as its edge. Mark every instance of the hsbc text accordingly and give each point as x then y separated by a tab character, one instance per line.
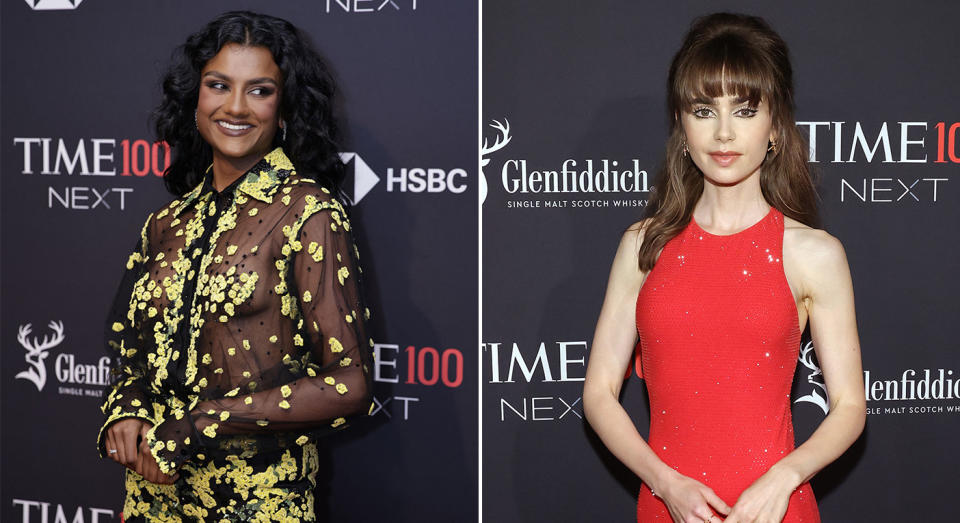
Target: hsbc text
426	180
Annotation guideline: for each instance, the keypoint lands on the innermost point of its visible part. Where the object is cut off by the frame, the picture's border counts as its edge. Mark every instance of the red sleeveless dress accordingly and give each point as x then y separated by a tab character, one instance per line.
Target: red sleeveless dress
719	338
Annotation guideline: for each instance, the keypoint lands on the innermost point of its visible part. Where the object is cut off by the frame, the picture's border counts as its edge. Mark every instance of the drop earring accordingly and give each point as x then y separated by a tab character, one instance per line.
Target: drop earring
684	148
772	148
283	132
196	123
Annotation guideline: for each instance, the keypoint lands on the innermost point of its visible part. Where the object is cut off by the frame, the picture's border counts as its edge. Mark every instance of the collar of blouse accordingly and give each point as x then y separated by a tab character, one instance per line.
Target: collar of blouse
260	182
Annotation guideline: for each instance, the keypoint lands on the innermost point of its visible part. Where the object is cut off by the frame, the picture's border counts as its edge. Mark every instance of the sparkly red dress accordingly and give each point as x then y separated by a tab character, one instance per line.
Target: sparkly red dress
719	338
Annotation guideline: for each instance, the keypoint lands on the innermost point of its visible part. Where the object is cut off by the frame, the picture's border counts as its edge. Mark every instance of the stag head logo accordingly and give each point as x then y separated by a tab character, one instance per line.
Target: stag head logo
503	138
37	352
815	378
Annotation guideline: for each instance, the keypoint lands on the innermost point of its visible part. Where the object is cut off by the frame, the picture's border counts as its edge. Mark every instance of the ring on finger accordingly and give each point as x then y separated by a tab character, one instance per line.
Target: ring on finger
112	451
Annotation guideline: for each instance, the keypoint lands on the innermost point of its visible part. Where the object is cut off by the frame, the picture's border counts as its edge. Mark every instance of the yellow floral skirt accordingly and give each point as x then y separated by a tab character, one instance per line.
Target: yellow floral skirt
234	483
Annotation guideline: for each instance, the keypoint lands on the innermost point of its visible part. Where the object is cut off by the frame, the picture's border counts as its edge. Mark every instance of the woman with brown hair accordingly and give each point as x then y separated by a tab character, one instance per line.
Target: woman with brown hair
717	284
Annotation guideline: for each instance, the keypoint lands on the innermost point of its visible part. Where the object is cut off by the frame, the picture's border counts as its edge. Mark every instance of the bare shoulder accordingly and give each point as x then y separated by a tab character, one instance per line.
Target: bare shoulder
634	233
814	252
631	240
626	264
809	242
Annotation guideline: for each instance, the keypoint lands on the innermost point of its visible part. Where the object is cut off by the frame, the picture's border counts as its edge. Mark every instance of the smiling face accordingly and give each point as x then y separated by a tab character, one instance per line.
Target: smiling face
727	137
238	109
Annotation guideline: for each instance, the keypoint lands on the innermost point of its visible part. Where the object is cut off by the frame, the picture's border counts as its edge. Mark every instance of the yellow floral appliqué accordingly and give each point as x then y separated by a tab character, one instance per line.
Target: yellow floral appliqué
211	430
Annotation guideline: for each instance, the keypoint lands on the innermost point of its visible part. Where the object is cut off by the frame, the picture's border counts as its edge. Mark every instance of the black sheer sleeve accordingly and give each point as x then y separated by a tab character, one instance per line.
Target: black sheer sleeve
127	395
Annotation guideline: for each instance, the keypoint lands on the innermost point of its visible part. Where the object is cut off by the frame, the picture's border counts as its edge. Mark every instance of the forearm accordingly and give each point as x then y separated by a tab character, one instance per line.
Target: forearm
832	438
610	421
307	404
126	399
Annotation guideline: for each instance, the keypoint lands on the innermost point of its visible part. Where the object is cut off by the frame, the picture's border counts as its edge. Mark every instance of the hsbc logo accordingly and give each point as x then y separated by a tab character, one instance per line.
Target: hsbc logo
432	180
360	178
50	5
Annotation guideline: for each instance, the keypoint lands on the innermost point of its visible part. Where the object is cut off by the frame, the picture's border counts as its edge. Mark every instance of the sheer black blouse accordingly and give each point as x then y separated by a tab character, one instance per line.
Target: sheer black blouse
240	316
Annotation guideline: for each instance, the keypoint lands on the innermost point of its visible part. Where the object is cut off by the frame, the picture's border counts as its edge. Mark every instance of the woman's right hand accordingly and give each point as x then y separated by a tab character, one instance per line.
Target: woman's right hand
122	437
690	501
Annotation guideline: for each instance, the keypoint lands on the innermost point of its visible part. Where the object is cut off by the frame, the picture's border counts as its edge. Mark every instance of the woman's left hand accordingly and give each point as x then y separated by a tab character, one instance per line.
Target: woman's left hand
147	465
766	500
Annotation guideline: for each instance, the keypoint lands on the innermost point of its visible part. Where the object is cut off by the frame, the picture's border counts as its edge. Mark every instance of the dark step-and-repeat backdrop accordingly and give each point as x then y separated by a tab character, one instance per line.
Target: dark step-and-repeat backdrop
581	85
566	84
80	174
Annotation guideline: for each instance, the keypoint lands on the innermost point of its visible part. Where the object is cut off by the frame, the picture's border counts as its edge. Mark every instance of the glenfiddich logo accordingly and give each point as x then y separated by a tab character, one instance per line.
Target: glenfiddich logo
568	183
73	376
503	138
913	391
815	378
37	352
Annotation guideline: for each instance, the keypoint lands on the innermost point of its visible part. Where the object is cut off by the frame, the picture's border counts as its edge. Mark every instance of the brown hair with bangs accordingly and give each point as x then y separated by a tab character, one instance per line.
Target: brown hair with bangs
736	55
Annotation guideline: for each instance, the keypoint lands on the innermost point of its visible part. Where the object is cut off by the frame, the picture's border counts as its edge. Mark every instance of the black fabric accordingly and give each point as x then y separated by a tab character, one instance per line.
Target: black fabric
239	333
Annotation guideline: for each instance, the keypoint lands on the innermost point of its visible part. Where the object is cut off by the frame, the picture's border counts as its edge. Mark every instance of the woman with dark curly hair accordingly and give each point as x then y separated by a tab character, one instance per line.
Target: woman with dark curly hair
239	330
717	285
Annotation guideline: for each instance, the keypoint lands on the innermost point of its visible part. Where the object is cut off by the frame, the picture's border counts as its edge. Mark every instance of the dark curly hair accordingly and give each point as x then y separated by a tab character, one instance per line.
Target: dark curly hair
306	99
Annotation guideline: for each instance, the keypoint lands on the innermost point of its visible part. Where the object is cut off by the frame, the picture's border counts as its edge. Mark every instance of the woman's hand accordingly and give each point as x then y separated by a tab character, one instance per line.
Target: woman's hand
766	500
122	437
147	466
122	441
690	501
